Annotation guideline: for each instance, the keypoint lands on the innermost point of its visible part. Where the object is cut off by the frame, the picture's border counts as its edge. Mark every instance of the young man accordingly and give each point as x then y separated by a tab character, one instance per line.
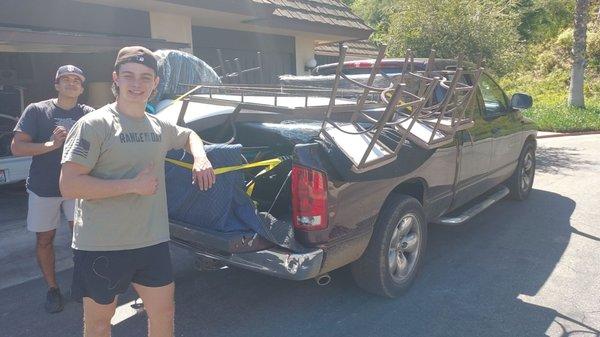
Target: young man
113	163
41	132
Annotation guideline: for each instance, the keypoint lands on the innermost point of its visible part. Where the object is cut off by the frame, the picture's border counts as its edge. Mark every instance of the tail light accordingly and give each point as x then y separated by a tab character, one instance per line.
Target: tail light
309	198
368	64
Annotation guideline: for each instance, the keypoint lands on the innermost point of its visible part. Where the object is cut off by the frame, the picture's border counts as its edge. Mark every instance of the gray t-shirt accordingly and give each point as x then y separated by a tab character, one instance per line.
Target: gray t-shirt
39	121
115	146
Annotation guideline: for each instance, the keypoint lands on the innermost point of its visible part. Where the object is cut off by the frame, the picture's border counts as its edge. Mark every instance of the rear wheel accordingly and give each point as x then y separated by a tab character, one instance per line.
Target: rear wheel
395	252
521	182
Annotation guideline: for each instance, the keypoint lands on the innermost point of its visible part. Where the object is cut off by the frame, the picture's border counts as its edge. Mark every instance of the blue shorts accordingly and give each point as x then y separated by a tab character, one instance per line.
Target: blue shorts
102	275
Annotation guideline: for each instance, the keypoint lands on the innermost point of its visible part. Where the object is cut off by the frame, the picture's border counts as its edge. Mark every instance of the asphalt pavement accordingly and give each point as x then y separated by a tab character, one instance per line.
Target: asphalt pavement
527	268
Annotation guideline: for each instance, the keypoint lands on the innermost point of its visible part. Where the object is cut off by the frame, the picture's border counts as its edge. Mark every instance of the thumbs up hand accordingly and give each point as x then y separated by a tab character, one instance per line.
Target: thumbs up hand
146	182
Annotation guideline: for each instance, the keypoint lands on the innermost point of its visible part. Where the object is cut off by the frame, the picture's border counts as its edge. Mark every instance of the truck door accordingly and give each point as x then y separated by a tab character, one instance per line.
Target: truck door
475	151
504	127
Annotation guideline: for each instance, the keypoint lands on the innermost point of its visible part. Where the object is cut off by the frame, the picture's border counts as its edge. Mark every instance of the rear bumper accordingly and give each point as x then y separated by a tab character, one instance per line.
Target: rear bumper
273	261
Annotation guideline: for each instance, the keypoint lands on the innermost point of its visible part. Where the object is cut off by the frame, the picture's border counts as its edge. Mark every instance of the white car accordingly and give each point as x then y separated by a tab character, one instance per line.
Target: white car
12	169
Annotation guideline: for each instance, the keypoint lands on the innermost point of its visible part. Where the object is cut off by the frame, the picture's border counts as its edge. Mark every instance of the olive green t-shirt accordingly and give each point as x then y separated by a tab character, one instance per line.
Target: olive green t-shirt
116	146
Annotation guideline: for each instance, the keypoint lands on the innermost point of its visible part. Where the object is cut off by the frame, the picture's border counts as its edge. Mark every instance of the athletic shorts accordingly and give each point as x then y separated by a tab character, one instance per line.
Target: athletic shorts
43	213
102	275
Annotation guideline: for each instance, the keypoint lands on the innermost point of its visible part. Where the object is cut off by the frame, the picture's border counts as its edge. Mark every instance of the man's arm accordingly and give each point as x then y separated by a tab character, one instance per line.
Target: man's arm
202	173
75	182
22	144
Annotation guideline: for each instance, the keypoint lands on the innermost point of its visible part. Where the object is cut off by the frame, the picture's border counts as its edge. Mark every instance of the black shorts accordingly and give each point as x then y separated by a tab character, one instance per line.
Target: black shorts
101	275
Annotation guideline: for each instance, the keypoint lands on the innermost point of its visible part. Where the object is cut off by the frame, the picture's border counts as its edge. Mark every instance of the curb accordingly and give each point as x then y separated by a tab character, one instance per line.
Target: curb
582	133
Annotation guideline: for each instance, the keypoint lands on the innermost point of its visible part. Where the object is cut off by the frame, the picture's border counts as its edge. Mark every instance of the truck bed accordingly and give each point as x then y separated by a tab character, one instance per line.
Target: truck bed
218	242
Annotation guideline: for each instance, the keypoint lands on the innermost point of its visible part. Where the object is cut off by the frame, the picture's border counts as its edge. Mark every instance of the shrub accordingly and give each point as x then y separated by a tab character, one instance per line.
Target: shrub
471	27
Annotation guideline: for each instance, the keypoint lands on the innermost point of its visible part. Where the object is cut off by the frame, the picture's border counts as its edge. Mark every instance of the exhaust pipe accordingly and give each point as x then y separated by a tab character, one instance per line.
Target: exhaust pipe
323	280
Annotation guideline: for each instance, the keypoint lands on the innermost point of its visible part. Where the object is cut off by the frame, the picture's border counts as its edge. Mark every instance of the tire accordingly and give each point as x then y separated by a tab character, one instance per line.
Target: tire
521	181
395	253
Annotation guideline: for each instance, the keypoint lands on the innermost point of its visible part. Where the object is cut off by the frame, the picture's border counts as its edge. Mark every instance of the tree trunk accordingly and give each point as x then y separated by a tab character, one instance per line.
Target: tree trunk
579	39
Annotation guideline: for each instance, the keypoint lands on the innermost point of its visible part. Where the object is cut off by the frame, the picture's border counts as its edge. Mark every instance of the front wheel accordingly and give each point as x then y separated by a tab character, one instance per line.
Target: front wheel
395	252
521	182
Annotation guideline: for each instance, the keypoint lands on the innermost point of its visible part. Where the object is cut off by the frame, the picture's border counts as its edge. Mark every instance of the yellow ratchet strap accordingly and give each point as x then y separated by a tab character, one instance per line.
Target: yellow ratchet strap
183	96
186	94
269	163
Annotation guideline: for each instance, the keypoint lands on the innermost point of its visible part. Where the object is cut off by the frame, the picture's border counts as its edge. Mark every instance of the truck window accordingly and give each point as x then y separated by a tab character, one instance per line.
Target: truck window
493	97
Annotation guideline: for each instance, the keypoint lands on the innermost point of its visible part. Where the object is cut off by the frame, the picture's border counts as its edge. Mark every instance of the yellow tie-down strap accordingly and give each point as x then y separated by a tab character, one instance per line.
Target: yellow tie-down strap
269	163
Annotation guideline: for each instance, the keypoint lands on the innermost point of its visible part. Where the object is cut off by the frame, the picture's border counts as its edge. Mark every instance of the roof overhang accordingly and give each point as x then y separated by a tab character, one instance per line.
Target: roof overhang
27	40
261	16
241	15
341	33
356	49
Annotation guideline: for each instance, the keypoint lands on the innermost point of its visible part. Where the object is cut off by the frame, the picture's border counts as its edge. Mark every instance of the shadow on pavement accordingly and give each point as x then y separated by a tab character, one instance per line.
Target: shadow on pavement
555	159
11	200
470	285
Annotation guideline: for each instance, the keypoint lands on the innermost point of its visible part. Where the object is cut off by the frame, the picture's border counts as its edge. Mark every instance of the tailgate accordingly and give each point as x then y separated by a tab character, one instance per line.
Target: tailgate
218	241
247	252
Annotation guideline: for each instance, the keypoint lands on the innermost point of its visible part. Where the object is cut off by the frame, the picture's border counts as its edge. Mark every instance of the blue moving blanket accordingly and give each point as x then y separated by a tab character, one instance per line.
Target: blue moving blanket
225	207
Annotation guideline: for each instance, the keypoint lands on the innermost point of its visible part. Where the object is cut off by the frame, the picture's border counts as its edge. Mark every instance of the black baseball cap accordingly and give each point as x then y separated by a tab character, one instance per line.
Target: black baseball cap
136	54
69	69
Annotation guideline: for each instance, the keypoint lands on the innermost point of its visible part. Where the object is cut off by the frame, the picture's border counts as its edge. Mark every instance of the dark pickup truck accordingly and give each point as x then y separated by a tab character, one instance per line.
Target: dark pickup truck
376	220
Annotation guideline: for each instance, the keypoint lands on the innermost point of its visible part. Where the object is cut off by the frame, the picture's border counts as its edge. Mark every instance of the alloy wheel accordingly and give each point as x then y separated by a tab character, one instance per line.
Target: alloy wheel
404	247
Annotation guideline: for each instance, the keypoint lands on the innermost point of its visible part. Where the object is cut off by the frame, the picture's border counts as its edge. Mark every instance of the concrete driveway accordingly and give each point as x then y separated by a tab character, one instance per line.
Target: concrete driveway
519	269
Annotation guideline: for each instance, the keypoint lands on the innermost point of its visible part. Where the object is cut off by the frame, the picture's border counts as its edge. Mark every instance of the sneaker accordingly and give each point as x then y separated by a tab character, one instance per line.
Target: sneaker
54	301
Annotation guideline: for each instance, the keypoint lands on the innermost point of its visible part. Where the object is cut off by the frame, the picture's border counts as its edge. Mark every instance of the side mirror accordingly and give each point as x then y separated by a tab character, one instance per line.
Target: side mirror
521	101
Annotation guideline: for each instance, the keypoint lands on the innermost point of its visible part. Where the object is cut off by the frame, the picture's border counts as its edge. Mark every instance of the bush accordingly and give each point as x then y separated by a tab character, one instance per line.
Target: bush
544	19
471	27
593	48
376	13
556	54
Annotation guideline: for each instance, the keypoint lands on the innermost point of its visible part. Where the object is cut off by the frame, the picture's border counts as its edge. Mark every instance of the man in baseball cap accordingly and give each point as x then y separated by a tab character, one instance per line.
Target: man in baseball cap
69	70
113	163
41	132
136	54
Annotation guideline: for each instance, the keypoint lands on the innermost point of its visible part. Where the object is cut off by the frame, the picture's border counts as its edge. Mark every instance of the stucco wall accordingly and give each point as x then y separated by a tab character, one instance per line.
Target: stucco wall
305	50
171	27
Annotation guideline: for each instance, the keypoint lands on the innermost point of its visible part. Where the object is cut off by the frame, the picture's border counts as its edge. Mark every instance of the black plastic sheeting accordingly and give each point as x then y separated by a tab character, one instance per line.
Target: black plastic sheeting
178	70
290	132
225	208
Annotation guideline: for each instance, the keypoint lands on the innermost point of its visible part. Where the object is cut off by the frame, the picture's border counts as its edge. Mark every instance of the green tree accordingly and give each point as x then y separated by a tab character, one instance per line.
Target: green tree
540	20
576	97
376	13
471	27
